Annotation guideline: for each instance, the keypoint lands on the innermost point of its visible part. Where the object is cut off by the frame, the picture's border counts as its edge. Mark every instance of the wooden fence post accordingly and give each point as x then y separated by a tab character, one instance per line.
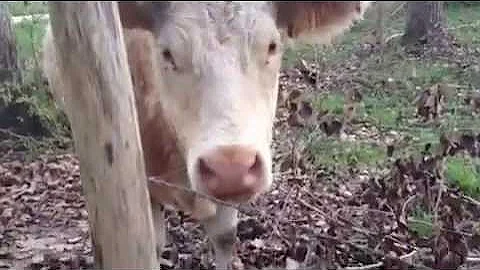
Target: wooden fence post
99	97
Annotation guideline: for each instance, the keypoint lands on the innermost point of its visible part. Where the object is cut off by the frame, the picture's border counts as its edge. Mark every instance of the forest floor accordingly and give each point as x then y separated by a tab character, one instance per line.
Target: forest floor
376	167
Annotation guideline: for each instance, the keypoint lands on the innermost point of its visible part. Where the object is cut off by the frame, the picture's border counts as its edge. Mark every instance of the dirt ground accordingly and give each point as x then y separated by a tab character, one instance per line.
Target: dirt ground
313	218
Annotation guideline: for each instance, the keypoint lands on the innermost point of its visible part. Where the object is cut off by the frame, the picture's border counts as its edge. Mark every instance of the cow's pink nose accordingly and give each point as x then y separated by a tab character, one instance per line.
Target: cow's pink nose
232	173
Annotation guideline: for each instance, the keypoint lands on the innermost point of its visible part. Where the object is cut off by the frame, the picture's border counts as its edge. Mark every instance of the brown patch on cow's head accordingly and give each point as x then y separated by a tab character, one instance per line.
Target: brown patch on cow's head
322	19
296	18
139	14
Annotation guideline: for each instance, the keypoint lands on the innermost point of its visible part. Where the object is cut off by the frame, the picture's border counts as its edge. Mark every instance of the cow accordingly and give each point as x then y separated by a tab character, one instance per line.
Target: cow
205	78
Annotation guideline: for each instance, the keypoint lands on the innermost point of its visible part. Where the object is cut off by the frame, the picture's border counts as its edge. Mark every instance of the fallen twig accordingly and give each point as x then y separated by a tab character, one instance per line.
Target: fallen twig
388	39
472	259
397	9
437	204
358	208
474	24
471	200
439	227
13	134
316	209
379	264
377	253
404	208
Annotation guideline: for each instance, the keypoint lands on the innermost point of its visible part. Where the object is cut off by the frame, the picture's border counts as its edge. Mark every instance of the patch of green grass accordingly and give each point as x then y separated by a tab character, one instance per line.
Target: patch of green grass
421	223
331	152
432	73
393	103
19	8
423	136
403	77
29	35
464	21
293	54
29	109
321	54
383	115
386	112
332	102
465	174
416	139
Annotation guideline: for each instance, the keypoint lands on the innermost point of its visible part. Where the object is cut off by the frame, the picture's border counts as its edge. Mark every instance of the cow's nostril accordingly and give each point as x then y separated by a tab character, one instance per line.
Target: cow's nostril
205	171
208	175
256	168
229	171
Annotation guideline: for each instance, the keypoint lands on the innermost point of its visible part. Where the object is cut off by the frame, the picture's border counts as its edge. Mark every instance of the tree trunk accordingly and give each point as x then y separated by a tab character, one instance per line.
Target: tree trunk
99	101
8	52
423	20
380	24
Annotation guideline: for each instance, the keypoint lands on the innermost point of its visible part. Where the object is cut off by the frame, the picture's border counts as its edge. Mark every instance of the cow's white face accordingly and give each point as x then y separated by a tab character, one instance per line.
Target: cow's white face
217	67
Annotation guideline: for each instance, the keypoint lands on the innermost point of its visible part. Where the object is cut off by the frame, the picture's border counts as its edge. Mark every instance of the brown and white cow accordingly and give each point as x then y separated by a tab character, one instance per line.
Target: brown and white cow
205	78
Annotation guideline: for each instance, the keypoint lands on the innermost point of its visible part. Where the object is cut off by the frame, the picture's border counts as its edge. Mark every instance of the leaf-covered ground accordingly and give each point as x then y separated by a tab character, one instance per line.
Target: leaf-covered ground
376	167
316	216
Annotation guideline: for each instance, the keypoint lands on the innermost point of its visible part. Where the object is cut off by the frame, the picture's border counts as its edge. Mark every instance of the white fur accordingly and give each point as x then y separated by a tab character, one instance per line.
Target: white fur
224	93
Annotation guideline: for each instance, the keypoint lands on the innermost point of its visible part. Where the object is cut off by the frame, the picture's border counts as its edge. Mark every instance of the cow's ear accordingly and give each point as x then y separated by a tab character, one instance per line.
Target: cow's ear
140	14
317	22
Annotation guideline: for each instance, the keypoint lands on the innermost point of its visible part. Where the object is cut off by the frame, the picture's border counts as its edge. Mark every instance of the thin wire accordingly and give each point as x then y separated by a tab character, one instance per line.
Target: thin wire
160	181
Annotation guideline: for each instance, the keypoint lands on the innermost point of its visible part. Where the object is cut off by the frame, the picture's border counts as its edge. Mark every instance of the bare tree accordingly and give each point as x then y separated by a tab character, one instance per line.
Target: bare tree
424	19
9	71
380	24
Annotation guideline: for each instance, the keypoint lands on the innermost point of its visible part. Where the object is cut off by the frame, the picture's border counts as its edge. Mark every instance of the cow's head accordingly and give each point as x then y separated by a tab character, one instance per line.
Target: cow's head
218	66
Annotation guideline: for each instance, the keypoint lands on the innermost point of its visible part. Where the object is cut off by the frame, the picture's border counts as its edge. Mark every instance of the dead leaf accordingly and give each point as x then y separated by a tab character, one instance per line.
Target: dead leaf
430	102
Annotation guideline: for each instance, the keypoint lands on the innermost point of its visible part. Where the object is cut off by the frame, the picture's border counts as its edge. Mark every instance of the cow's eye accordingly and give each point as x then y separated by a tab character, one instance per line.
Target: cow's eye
167	55
272	48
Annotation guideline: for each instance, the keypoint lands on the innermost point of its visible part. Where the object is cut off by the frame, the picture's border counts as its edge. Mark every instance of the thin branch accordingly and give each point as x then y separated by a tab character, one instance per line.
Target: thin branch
437	204
374	252
426	223
358	208
318	210
404	206
471	200
472	259
474	24
395	11
13	134
379	264
389	38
